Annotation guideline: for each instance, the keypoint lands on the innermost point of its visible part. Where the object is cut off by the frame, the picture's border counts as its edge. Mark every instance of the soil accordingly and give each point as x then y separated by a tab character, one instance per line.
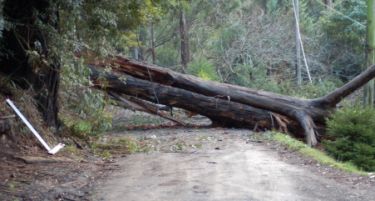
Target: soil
180	164
223	165
44	177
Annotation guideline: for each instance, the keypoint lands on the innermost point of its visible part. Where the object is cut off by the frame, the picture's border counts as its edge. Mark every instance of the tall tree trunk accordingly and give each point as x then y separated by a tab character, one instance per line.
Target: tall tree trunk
141	43
370	88
153	51
298	48
184	37
135	53
27	58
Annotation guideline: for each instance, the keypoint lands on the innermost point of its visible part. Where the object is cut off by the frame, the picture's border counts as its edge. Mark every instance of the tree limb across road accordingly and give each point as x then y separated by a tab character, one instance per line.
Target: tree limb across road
225	104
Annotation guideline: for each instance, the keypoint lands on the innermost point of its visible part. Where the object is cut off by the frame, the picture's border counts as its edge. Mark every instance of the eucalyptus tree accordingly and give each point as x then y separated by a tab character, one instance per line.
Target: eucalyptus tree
370	88
298	45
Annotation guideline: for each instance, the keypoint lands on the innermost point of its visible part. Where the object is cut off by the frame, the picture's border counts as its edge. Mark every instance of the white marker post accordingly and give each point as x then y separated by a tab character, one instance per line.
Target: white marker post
23	118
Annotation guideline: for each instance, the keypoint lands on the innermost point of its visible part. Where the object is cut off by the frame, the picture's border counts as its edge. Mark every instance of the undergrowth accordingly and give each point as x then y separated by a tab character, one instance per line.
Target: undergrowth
351	133
317	155
84	128
125	145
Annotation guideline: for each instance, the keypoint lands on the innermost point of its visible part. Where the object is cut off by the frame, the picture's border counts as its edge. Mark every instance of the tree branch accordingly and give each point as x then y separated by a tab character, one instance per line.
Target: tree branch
331	99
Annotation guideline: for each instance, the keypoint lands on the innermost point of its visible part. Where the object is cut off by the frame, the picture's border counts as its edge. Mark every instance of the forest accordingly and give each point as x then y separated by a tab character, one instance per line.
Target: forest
304	68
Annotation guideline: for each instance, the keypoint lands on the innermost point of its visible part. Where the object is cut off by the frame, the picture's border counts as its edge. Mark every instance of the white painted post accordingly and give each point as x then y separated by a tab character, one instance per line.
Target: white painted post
28	124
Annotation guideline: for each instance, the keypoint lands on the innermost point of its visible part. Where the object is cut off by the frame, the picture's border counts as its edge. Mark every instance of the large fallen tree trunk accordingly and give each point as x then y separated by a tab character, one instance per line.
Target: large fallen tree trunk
136	104
220	111
308	113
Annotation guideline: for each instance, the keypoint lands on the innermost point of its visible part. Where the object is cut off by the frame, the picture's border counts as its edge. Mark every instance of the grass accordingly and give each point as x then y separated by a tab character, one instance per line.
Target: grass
197	145
124	145
71	150
137	120
12	186
317	155
178	146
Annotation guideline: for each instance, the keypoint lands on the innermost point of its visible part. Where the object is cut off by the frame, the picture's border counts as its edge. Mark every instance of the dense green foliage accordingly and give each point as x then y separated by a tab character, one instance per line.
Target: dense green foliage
345	37
353	136
244	42
204	69
107	27
252	43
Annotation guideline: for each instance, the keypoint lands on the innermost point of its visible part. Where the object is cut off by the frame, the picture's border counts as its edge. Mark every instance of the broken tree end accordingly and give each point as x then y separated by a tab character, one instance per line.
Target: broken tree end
308	126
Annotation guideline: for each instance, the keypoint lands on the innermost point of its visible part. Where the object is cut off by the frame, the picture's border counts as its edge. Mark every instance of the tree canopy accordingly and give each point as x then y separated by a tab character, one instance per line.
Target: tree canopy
244	42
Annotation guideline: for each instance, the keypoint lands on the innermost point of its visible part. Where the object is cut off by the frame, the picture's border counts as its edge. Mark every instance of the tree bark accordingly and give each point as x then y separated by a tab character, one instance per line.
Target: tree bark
136	104
309	114
298	47
153	46
4	126
184	38
369	92
223	112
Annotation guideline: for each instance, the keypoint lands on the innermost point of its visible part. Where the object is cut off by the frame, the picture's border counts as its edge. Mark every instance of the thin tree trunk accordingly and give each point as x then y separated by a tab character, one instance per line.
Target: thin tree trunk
184	37
298	48
370	88
136	104
153	51
4	125
141	43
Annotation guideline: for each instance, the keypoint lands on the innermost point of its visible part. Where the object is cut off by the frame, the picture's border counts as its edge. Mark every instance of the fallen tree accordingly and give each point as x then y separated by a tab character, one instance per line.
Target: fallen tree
136	104
226	104
220	111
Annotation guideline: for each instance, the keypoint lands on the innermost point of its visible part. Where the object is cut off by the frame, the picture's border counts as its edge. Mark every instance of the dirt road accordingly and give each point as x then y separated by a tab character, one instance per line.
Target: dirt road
217	165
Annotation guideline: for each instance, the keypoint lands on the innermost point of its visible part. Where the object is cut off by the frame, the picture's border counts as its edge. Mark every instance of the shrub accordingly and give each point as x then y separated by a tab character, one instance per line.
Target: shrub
167	56
204	69
255	77
352	133
82	129
318	89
